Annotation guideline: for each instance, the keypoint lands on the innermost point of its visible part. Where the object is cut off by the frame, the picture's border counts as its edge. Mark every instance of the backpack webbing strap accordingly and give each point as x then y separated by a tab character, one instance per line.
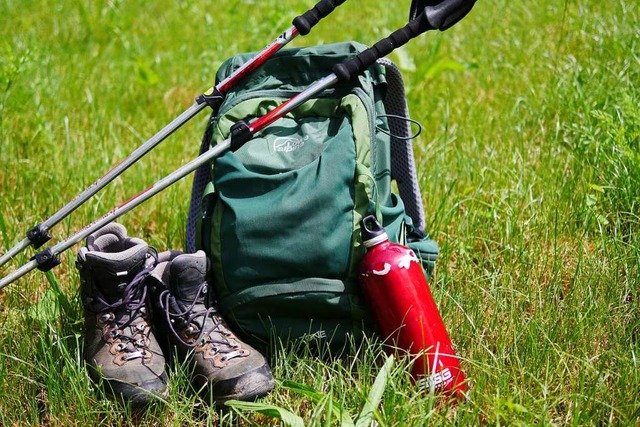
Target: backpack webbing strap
403	167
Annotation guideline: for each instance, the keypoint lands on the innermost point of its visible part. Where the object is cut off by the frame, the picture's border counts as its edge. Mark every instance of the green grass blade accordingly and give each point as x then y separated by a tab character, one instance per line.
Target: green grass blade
3	230
287	417
375	395
322	407
316	397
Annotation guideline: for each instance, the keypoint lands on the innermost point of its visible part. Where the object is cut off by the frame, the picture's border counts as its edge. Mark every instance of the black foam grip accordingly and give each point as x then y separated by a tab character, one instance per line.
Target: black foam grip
345	71
417	7
311	17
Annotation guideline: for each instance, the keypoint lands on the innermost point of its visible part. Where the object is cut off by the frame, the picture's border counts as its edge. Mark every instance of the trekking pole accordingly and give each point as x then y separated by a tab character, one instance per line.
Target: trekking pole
440	17
39	234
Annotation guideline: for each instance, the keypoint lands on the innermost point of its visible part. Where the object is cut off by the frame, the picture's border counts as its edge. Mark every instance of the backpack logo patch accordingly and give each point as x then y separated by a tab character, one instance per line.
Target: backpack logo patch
287	144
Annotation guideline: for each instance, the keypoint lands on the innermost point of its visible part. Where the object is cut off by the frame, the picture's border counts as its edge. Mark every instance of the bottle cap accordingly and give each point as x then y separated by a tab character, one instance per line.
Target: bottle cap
372	232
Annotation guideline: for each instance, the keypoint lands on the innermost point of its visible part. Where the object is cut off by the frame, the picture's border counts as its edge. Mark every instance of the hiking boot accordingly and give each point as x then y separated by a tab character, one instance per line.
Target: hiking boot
120	349
223	366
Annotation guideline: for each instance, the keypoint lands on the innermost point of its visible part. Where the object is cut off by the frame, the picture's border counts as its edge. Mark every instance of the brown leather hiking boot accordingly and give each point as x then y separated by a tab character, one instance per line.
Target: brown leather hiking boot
120	350
223	366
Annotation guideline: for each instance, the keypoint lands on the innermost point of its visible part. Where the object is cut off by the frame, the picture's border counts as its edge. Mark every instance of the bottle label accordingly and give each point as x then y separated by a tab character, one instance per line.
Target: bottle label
385	270
436	380
405	260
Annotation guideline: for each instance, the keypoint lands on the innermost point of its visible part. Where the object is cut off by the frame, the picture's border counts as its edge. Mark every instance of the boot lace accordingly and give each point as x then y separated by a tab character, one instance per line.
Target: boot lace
124	322
212	338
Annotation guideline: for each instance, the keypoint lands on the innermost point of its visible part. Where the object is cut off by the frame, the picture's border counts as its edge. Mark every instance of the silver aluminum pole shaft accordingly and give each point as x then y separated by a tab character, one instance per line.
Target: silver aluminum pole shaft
122	209
14	251
110	176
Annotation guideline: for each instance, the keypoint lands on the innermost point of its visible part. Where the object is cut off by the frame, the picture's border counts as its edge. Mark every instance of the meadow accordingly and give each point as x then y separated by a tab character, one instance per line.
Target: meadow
529	164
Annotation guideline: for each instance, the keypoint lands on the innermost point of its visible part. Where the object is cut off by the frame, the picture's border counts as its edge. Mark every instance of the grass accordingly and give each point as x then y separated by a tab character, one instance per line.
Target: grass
528	162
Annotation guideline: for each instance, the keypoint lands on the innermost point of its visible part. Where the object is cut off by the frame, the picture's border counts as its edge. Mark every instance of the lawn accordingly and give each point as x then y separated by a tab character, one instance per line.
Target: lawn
529	165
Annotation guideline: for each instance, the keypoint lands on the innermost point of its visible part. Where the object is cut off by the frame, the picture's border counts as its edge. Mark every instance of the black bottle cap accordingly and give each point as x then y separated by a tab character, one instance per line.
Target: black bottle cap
372	232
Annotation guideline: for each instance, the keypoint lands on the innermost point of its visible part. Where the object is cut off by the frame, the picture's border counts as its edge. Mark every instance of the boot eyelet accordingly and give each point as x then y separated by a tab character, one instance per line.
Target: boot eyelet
107	317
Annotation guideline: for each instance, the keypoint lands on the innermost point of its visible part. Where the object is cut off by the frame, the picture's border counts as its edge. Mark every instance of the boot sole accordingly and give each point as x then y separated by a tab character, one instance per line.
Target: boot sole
135	395
261	384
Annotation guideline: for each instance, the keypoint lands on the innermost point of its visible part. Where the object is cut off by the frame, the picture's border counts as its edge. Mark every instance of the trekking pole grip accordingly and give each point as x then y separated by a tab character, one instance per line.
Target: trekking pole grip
351	68
311	17
441	16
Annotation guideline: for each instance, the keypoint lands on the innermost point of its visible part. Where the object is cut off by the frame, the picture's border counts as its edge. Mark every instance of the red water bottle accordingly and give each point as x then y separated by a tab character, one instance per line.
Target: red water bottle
395	287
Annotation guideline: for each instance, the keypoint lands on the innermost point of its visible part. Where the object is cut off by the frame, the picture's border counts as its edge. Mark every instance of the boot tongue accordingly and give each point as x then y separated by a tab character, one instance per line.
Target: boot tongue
113	271
187	276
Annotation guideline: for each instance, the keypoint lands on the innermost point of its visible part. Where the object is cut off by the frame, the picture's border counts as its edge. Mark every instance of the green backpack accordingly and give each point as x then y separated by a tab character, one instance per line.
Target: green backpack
279	218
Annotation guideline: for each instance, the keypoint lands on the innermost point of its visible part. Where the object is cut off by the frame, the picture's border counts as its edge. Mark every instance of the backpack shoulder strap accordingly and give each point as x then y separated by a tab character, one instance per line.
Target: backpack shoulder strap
403	167
201	178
